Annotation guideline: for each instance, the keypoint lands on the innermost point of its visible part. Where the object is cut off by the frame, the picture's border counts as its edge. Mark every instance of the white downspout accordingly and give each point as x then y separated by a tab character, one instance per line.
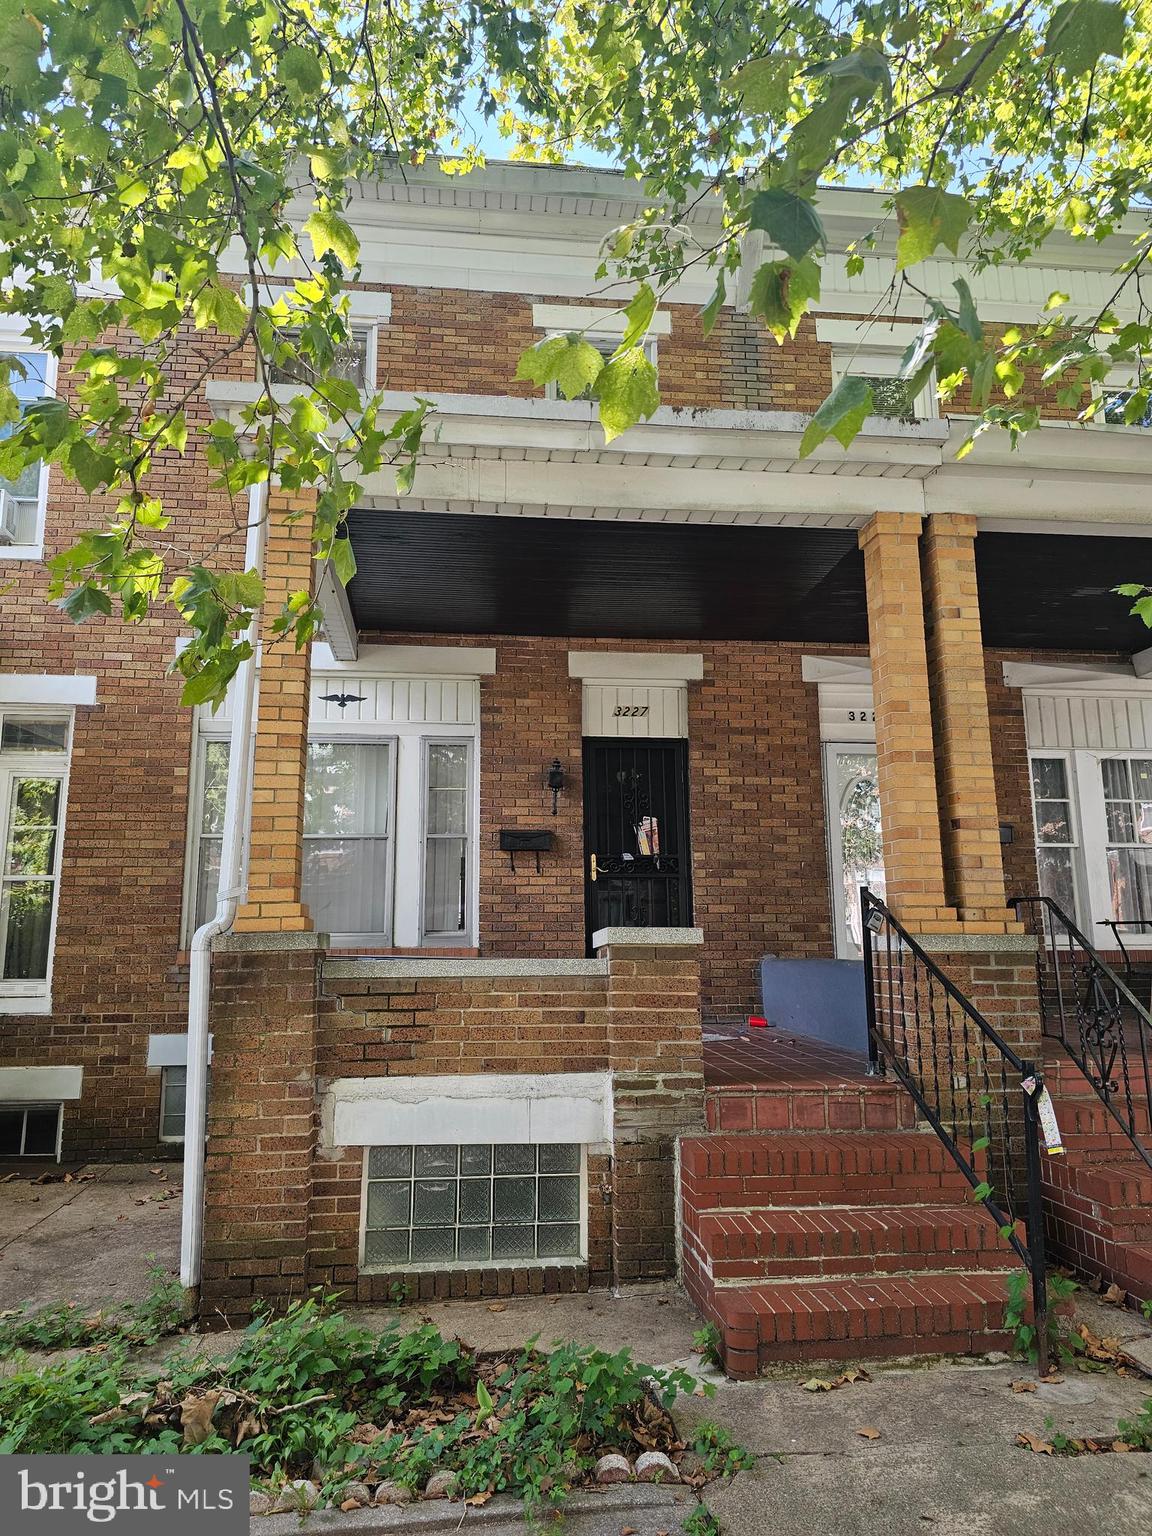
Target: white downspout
229	891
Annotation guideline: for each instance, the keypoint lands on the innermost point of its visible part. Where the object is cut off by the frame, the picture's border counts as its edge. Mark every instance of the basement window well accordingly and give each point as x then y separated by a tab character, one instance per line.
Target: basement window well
439	1207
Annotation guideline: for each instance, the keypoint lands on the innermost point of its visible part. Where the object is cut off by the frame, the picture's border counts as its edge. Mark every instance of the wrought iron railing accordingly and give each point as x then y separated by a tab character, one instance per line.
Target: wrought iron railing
1096	1017
973	1089
1116	925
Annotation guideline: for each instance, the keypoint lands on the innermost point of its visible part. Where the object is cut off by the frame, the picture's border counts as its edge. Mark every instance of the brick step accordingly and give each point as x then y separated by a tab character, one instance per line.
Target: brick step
1087	1127
1123	1187
1065	1080
1128	1265
831	1242
854	1319
792	1168
872	1106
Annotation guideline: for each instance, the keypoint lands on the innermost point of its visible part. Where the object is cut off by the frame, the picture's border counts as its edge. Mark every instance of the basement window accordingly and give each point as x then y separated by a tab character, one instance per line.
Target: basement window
30	1130
466	1206
173	1081
606	346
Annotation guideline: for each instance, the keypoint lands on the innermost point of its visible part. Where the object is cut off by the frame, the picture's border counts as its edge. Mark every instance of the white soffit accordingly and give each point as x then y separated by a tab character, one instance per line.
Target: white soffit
587	317
43	688
40	1085
636	666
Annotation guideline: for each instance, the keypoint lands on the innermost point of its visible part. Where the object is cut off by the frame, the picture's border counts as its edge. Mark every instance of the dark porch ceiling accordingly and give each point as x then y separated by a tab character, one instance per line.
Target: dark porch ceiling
420	571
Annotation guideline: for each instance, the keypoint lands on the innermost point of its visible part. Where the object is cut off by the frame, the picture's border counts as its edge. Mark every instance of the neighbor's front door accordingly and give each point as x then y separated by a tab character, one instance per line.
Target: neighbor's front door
636	867
856	853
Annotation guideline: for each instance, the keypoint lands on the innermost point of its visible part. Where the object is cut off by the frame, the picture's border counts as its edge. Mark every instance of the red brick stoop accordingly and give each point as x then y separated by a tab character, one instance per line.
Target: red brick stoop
838	1244
1098	1194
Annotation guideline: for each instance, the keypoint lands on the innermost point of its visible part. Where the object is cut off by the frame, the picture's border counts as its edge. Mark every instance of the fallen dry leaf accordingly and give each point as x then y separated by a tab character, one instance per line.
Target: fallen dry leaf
817	1384
868	1433
1023	1386
479	1498
1115	1296
1035	1443
1105	1350
1120	1447
196	1417
497	1306
349	1505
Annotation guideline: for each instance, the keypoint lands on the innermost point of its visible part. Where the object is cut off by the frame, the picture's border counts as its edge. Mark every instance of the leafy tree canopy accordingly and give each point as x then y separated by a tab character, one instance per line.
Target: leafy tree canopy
151	148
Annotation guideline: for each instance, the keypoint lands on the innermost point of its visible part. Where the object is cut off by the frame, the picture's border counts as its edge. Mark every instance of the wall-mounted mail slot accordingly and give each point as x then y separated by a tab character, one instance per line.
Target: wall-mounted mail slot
514	840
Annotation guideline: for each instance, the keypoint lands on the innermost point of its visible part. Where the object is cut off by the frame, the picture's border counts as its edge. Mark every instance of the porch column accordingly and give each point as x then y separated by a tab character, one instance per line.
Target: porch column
655	1054
275	853
970	822
905	750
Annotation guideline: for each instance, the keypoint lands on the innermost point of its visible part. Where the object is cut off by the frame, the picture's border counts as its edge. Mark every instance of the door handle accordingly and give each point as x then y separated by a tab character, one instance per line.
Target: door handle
592	867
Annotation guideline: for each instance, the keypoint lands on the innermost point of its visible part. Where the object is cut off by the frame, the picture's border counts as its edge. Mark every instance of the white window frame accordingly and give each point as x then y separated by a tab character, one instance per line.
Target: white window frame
33	549
605	342
1117	381
367	312
869	360
9	1108
35	996
406	852
164	1085
455	939
438	1266
843	950
1077	847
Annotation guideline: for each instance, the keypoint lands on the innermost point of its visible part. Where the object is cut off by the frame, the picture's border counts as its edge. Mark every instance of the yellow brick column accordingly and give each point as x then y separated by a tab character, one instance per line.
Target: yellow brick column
905	767
280	757
969	818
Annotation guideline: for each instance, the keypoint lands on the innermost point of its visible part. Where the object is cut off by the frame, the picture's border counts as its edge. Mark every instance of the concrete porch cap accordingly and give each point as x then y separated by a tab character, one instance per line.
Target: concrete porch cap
646	938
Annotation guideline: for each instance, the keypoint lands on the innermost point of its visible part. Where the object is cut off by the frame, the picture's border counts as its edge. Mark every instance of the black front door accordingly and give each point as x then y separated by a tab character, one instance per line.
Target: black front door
637	870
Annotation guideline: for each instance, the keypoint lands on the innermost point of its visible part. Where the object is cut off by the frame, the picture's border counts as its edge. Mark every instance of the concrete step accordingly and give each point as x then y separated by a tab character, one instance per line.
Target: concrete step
833	1242
855	1319
790	1169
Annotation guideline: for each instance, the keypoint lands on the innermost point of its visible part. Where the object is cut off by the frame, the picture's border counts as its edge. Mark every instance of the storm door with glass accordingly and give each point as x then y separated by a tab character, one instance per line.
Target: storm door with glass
855	852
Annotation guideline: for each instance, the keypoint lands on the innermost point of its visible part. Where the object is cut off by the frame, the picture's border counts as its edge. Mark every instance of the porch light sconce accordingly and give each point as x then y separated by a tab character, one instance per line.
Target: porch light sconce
555	781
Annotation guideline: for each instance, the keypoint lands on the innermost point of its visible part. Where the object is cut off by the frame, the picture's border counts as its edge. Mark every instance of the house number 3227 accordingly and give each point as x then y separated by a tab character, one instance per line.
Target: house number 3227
629	710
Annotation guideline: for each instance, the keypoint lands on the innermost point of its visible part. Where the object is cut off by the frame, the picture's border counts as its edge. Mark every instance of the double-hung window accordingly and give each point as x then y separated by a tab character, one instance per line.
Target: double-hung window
1127	784
34	750
30	375
388	848
1055	826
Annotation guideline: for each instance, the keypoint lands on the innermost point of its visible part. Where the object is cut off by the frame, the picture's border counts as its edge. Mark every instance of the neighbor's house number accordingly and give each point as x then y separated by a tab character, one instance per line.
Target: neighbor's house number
864	715
630	710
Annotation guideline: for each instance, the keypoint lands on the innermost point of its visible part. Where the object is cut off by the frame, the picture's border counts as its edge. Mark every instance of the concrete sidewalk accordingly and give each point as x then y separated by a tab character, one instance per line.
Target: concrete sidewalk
944	1461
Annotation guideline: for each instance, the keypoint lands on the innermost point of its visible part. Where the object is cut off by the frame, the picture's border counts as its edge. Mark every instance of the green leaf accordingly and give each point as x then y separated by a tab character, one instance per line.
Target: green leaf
484	1400
841	416
711	311
220	308
343	560
967	316
790	221
301	68
86	602
981	1143
982	1191
1081	31
574	364
627	391
866	69
763	85
928	218
91	467
781	292
329	232
638	316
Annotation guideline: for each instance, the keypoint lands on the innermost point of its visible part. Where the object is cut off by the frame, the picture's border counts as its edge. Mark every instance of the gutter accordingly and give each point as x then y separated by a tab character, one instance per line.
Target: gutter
229	891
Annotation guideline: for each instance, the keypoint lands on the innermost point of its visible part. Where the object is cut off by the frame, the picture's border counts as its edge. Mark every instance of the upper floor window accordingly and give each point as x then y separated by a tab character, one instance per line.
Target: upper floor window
605	345
33	772
1126	408
354	360
22	499
893	398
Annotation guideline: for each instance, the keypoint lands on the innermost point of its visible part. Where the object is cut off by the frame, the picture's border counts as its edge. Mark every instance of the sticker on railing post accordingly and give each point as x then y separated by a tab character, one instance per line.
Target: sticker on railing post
1046	1113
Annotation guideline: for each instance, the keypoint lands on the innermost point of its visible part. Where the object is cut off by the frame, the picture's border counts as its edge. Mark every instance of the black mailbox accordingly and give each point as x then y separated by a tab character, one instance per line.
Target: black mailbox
514	840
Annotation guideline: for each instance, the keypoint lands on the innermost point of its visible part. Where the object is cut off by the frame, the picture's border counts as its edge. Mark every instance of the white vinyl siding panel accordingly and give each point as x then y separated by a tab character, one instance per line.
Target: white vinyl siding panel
635	710
1100	722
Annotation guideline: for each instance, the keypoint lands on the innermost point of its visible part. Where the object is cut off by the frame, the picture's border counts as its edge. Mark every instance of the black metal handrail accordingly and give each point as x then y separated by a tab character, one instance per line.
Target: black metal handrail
1096	1017
972	1088
1116	923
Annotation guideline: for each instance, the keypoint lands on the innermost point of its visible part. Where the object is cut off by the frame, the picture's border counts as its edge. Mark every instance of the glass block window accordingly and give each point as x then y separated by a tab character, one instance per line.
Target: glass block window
472	1205
892	398
29	1130
350	360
